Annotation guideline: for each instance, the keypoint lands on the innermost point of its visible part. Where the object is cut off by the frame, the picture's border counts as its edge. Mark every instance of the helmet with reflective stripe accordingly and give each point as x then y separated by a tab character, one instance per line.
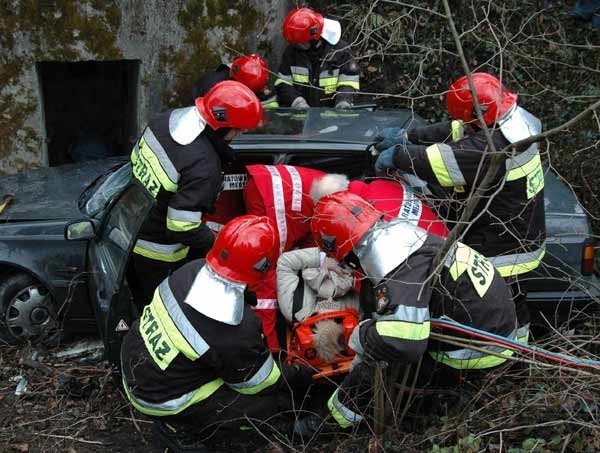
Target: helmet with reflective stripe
302	25
251	70
339	222
494	98
245	249
230	104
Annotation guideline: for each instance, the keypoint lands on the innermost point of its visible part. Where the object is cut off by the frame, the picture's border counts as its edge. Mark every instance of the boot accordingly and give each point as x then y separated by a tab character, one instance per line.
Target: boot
176	440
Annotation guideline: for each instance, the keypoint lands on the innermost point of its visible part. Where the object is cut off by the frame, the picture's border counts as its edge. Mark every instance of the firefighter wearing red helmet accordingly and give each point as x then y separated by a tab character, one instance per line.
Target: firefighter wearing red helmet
317	68
251	70
396	258
179	159
394	198
452	156
196	358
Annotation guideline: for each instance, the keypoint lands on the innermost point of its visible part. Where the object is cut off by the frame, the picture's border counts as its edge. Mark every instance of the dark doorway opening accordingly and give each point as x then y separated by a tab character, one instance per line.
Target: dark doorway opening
90	108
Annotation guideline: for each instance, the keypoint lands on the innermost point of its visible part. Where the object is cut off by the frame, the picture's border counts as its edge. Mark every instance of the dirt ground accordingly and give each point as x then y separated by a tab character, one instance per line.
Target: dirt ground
72	404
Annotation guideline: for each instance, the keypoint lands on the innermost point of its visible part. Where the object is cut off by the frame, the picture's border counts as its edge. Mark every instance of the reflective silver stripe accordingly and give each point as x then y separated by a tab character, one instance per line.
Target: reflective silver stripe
522	331
450	255
161	155
284	77
184	216
296	188
159	248
265	304
279	202
171	405
180	320
349	78
451	165
348	414
409	314
259	377
522	158
299	70
518	258
332	73
466	353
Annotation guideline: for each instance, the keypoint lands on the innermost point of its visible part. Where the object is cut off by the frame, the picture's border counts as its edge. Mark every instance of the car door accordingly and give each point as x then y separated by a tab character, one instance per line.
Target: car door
108	256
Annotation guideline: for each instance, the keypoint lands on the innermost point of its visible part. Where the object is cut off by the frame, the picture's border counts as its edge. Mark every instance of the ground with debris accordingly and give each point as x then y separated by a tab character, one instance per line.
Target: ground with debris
65	399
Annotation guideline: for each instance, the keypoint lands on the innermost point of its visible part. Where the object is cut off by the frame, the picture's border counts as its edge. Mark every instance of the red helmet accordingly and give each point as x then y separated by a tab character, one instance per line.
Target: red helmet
230	104
495	100
339	222
245	249
251	70
302	25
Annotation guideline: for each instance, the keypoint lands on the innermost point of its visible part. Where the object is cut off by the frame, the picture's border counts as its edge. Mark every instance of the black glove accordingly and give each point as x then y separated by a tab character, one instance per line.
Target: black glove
297	376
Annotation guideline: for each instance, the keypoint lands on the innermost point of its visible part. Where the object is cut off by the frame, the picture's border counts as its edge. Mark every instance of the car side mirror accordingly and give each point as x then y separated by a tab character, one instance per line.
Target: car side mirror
80	230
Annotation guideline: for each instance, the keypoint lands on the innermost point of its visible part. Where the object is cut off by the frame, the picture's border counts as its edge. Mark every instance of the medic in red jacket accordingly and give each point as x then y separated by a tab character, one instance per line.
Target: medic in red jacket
281	192
395	199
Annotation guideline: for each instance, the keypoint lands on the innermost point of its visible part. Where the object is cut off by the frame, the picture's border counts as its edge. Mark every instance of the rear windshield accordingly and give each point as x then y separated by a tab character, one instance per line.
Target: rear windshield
560	199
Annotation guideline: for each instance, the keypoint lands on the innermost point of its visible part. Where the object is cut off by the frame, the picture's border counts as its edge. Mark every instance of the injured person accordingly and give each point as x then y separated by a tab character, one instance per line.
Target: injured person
319	300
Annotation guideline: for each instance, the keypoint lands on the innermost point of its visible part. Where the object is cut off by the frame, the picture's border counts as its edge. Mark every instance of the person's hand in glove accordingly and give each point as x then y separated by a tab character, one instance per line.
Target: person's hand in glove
344	105
297	376
385	160
300	103
391	136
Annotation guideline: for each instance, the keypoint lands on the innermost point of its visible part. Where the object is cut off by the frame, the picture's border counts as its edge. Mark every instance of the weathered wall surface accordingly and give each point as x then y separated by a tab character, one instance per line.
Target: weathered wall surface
175	41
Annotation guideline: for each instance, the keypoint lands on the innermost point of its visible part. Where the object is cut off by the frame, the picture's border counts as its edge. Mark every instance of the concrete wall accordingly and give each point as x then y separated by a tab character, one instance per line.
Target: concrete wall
175	41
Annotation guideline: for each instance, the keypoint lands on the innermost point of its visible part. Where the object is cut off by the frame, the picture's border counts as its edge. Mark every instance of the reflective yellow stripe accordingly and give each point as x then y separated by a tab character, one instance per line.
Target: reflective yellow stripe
434	155
156	338
533	171
270	104
280	81
478	363
169	327
520	268
167	257
300	78
147	158
187	400
328	81
342	415
180	225
349	83
403	330
458	130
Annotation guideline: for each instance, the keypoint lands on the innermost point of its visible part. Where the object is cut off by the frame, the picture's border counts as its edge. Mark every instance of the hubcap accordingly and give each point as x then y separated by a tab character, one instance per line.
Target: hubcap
30	313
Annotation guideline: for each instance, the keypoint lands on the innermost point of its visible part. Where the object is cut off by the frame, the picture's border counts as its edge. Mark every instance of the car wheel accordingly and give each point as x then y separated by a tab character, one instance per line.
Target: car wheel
27	310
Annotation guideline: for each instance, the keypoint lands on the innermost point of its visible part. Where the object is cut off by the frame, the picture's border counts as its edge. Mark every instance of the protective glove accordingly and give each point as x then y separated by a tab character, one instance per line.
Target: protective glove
390	136
297	376
343	105
385	160
300	103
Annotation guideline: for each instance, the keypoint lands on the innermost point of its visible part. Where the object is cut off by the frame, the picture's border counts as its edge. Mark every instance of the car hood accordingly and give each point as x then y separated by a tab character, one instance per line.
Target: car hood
50	193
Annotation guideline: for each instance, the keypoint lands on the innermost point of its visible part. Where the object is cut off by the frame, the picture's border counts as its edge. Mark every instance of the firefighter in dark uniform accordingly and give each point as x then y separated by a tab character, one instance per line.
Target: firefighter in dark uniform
179	160
317	69
454	155
396	258
251	70
197	358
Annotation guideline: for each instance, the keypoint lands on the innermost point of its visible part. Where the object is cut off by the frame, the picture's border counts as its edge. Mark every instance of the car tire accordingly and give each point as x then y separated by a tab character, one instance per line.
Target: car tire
27	310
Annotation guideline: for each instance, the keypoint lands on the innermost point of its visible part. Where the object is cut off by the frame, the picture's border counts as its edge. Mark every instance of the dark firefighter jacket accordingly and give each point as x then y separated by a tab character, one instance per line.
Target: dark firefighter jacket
469	291
317	75
511	232
186	181
174	356
210	79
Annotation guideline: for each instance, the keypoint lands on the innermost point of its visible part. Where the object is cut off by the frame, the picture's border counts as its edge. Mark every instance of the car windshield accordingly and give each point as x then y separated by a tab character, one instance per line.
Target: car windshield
101	191
331	125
